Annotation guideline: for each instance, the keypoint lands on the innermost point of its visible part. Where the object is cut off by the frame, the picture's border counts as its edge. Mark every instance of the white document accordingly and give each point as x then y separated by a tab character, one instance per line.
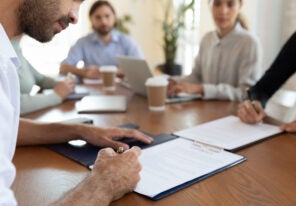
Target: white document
168	165
229	132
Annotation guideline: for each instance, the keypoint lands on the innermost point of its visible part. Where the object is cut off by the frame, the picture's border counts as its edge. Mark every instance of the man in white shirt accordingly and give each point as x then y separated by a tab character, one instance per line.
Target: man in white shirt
42	19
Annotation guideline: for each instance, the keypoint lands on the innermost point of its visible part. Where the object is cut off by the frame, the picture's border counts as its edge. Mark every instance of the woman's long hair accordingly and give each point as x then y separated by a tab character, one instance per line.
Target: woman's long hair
243	21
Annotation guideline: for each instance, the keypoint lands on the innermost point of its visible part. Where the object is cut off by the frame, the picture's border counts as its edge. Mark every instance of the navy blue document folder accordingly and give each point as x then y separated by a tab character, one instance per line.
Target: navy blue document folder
86	154
195	180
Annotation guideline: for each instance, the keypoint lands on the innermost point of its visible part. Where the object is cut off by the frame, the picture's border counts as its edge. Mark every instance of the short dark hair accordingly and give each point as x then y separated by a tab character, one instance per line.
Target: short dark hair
99	4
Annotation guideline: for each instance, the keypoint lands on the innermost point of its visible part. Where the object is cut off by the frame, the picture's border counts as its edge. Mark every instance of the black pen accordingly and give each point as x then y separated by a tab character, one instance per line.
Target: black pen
255	108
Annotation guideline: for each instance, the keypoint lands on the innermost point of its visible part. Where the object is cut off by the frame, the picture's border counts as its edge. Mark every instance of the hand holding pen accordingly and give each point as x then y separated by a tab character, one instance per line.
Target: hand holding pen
66	87
251	111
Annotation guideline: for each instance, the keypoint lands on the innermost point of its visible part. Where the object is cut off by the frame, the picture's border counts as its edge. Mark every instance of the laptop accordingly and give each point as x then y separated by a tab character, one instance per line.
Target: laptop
137	71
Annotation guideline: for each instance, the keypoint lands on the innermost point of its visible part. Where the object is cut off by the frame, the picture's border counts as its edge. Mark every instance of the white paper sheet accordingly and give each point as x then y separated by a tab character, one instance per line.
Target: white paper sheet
229	132
170	164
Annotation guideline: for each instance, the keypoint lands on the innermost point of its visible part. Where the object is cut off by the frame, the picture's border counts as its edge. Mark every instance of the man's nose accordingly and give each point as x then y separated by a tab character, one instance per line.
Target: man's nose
74	13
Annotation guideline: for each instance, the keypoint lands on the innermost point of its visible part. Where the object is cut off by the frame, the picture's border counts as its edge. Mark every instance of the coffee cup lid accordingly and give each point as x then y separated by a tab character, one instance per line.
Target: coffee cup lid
108	68
156	81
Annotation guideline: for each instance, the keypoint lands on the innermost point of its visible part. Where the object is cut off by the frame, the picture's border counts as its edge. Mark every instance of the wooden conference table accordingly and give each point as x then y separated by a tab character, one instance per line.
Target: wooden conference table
268	177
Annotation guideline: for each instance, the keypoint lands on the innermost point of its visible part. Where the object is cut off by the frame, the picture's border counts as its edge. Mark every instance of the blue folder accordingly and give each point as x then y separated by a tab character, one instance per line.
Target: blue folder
193	181
87	154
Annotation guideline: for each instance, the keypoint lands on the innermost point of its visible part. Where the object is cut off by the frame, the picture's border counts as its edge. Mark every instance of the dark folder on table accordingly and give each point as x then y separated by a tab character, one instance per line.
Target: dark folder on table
155	158
86	154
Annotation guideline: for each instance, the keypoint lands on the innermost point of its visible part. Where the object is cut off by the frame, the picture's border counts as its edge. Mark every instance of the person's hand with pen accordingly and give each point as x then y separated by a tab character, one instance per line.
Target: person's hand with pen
116	171
114	174
252	112
66	87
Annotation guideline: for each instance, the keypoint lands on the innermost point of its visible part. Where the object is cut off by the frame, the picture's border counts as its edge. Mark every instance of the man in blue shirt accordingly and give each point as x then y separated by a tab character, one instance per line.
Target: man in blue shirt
100	47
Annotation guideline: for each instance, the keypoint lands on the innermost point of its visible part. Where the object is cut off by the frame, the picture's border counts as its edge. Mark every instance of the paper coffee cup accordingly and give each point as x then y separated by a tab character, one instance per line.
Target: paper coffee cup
156	93
108	76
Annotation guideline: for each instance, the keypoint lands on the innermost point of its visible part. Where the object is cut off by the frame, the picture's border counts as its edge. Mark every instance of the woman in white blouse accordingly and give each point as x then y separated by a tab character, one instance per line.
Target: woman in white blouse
229	59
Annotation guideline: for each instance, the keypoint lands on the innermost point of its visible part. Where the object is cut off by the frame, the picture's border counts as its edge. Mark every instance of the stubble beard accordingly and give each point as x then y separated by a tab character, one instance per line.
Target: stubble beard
103	32
37	17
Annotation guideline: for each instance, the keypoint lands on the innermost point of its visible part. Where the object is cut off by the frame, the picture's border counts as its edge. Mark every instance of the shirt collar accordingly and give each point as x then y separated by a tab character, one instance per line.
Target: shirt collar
115	37
6	47
237	29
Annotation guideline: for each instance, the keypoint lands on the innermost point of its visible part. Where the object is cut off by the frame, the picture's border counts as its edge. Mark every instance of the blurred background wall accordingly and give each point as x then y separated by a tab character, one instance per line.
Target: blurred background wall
273	21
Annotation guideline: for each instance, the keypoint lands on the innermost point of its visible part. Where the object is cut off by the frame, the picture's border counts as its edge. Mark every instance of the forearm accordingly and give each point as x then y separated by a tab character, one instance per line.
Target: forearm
38	101
88	193
47	83
34	133
223	92
67	68
281	69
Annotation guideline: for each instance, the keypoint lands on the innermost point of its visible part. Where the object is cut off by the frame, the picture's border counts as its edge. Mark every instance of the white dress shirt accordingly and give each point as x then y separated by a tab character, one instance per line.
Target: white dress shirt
9	117
225	67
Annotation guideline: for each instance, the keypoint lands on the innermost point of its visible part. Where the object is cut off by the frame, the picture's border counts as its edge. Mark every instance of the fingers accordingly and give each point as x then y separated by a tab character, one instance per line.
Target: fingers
68	85
106	137
285	127
131	133
70	81
136	150
118	173
257	107
172	83
175	89
115	144
64	88
251	112
291	127
172	87
92	72
246	113
107	152
131	156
